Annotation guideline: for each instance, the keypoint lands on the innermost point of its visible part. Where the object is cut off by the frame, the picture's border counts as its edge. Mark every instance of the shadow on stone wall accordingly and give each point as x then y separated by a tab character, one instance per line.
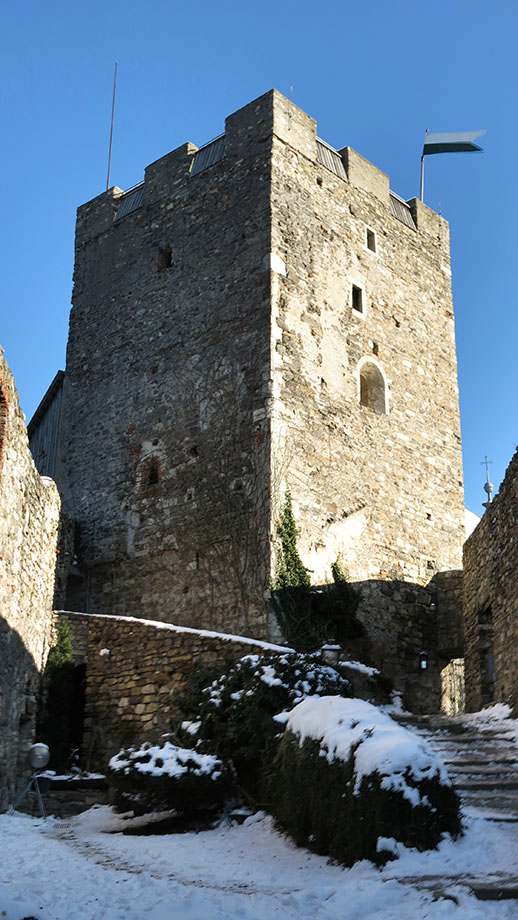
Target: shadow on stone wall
135	673
137	669
409	625
19	689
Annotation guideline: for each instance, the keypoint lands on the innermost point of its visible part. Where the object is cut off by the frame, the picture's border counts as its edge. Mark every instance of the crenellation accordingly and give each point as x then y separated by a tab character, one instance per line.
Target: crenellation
165	180
366	177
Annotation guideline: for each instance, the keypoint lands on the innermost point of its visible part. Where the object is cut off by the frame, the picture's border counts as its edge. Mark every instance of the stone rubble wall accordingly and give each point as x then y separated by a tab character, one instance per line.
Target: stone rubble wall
402	623
214	363
450	598
383	491
135	672
28	538
491	584
164	454
380	492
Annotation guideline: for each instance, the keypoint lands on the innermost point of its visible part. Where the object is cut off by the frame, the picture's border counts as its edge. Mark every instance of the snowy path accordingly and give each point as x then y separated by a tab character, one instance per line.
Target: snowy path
86	869
87	872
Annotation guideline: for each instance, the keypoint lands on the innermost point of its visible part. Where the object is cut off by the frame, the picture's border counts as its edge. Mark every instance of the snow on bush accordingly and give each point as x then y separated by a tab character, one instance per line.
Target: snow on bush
355	728
238	712
166	760
162	777
295	675
347	775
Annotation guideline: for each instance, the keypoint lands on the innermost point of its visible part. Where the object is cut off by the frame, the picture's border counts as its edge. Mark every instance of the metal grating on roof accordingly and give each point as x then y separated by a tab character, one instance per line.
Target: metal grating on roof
330	158
401	211
130	201
208	155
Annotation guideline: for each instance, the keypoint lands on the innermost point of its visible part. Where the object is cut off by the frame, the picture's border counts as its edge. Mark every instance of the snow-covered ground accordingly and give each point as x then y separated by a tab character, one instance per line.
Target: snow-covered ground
86	869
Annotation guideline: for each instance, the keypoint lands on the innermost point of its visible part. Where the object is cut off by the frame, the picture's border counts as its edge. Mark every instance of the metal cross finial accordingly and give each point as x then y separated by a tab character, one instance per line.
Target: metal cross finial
488	485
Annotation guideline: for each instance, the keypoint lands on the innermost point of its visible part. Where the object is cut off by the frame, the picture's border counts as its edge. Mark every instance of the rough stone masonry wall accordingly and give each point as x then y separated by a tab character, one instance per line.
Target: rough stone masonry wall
164	448
491	598
381	492
219	312
135	672
28	533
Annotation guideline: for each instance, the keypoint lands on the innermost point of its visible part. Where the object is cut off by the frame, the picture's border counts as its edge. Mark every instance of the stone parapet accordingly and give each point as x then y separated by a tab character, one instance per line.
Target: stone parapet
365	175
136	671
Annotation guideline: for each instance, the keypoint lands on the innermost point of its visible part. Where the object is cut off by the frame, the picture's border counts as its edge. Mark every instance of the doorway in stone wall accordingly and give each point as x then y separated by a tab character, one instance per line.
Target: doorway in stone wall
486	656
453	700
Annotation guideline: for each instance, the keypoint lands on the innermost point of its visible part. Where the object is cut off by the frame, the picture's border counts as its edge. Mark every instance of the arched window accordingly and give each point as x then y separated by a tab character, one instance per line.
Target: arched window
372	386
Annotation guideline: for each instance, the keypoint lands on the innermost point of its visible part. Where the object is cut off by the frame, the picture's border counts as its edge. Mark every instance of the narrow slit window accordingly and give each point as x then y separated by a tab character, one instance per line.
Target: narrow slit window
153	474
357	299
370	240
165	258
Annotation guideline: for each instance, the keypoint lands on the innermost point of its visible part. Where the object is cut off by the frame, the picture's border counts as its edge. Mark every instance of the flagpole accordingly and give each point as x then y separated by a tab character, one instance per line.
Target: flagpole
422	167
111	126
448	142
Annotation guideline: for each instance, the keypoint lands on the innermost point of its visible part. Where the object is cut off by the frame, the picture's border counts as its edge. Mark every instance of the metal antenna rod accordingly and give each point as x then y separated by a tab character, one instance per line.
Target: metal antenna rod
111	126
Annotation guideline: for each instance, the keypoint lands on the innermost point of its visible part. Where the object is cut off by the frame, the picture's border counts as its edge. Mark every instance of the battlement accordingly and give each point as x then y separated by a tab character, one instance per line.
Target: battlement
247	131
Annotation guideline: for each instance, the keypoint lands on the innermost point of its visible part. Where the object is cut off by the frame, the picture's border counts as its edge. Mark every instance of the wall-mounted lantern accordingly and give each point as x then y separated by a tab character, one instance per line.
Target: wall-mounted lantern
423	661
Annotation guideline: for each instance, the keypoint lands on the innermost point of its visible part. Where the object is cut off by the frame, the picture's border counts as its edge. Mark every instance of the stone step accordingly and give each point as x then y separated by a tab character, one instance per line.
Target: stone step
467	760
482	762
501	800
482	769
466	740
488	783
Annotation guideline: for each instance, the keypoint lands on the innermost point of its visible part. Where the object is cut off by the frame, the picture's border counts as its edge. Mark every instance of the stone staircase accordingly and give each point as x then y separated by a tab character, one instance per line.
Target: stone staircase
482	760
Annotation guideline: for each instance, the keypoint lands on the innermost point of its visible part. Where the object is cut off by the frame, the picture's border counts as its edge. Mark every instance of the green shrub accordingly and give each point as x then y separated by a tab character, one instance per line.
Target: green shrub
291	572
323	799
309	617
238	714
164	777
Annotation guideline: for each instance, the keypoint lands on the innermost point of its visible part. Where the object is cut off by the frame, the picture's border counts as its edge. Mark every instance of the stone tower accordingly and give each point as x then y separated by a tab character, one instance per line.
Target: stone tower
262	314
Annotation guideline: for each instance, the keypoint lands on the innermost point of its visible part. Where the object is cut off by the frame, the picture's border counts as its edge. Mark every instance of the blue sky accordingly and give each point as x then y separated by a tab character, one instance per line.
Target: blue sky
374	76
